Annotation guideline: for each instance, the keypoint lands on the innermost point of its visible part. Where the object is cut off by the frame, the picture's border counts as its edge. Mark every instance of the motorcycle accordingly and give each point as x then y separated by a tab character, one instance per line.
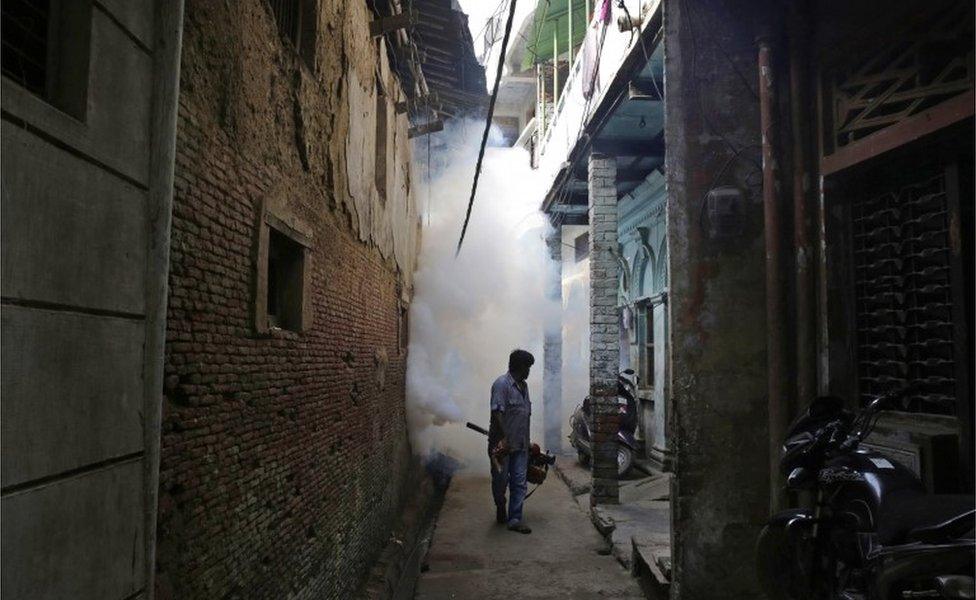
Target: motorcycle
627	445
874	532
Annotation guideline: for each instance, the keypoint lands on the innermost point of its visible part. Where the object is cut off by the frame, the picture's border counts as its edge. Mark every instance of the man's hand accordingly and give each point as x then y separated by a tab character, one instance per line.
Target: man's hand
501	447
497	453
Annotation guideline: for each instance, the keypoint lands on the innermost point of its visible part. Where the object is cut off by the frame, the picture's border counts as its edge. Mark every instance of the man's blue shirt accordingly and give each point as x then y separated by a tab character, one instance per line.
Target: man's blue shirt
512	400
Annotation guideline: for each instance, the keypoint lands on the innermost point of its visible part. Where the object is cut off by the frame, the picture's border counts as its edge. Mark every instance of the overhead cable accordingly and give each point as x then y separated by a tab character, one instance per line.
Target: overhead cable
491	113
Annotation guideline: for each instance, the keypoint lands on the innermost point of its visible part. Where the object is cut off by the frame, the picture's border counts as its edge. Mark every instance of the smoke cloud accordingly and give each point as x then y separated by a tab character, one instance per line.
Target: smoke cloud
468	313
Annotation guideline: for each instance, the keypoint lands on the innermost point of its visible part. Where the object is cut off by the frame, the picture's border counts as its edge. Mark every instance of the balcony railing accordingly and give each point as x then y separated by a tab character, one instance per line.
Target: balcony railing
561	124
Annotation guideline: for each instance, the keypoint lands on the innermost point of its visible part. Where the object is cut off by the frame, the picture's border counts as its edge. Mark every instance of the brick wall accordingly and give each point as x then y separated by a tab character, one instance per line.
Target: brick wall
284	454
604	326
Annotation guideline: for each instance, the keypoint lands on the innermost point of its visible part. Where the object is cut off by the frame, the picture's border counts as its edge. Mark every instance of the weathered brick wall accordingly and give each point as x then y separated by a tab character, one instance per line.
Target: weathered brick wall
604	326
283	456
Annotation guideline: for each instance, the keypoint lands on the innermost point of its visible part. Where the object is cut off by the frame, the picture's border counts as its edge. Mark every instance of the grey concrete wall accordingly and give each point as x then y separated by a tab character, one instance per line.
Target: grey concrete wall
716	303
604	327
79	237
552	348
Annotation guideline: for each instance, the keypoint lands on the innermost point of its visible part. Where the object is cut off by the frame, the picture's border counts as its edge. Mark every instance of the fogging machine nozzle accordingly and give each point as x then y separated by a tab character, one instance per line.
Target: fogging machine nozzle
477	428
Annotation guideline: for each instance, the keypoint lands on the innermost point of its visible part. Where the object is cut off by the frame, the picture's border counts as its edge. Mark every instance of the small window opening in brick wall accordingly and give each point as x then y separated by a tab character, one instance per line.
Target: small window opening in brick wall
582	246
297	22
285	270
46	50
381	135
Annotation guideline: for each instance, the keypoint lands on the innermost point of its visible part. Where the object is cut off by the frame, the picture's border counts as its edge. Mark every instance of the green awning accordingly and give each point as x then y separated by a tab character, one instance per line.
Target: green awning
552	18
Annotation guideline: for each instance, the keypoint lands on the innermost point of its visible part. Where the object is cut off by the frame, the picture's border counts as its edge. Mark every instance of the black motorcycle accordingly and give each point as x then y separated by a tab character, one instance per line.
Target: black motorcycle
627	444
873	533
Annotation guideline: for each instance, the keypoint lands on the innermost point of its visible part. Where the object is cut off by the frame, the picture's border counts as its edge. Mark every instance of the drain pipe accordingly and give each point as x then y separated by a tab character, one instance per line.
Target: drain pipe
776	347
806	361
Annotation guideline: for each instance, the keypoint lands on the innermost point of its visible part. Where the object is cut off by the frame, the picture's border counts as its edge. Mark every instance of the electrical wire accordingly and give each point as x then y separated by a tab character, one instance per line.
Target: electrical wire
484	136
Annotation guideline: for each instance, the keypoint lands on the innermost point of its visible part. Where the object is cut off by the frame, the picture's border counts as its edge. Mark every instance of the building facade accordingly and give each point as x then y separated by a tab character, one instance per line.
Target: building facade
642	299
209	239
599	77
820	235
285	456
89	113
817	239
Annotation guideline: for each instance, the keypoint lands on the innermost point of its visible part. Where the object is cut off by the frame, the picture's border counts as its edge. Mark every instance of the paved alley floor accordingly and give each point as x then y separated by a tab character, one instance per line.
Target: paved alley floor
472	558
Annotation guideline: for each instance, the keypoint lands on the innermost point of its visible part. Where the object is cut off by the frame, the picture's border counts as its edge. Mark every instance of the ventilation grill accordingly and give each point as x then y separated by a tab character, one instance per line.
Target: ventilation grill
904	295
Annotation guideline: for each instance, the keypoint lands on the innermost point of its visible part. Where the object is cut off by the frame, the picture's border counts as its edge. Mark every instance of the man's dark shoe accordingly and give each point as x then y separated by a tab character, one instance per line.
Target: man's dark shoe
519	527
500	515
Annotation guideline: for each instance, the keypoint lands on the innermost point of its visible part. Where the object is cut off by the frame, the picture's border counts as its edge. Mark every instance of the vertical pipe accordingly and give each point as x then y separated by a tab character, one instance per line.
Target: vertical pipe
806	365
776	350
555	64
540	104
167	47
569	4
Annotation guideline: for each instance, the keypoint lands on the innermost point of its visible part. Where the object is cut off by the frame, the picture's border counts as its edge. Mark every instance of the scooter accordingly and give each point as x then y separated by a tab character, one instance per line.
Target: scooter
874	532
627	446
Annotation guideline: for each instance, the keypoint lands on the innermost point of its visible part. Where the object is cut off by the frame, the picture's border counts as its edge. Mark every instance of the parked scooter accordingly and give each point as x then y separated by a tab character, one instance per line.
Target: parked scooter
874	532
579	424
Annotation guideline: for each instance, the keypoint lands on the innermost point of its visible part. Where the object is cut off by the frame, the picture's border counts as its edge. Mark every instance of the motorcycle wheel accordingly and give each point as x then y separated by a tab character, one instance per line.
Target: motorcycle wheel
776	563
582	457
625	459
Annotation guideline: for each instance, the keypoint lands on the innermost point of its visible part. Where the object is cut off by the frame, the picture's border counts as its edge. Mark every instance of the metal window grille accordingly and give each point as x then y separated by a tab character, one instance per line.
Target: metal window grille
899	73
904	294
25	42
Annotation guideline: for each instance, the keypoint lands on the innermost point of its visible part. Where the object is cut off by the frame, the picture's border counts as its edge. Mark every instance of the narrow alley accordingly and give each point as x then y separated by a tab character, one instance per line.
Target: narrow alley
301	297
564	558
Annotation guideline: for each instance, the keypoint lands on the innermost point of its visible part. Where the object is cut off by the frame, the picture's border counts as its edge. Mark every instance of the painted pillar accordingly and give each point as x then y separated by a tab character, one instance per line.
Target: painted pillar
604	327
569	14
555	67
552	348
659	446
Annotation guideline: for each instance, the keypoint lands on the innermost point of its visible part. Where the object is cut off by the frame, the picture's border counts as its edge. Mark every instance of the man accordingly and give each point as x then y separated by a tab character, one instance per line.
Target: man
508	439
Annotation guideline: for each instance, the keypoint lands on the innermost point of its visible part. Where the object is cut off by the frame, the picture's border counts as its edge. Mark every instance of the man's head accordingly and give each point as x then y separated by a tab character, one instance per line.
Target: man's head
519	363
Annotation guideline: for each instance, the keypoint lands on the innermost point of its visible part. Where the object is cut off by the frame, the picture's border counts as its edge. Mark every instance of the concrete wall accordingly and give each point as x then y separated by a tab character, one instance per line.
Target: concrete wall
575	323
80	315
284	453
717	335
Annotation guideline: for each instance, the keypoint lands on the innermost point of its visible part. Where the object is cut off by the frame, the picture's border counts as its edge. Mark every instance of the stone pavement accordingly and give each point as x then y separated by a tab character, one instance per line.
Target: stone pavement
638	529
472	558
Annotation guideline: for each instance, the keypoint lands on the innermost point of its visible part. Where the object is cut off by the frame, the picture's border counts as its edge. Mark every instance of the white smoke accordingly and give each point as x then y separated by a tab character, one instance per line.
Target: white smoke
468	313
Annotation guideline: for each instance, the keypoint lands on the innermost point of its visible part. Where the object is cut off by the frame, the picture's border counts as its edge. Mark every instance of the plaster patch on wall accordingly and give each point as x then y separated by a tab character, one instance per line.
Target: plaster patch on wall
359	153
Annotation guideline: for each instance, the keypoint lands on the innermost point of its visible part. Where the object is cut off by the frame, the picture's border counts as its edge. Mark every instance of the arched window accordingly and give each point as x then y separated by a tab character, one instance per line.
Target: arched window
661	270
623	279
647	276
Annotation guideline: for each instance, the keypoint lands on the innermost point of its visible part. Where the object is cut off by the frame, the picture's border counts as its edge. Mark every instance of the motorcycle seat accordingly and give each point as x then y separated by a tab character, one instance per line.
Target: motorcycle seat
912	517
958	527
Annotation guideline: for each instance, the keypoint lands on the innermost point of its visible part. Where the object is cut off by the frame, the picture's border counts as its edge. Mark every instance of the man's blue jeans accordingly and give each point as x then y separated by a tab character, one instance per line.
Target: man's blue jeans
512	474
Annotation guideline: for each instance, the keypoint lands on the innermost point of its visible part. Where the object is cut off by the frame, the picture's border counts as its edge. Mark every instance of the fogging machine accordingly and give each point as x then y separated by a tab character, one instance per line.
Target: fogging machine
539	461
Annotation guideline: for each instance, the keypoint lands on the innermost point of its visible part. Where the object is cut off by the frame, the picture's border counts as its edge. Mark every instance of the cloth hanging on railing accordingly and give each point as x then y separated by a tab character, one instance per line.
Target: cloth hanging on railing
591	60
591	48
